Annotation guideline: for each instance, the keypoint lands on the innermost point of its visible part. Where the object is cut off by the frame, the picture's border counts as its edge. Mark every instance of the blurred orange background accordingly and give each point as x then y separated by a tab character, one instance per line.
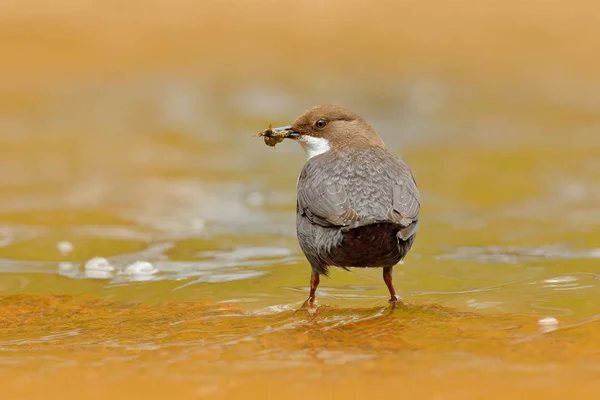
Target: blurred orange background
117	128
538	40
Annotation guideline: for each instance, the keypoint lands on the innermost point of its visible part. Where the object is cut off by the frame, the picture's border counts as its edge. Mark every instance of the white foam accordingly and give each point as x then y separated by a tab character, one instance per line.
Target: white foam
140	268
548	324
561	279
100	264
65	247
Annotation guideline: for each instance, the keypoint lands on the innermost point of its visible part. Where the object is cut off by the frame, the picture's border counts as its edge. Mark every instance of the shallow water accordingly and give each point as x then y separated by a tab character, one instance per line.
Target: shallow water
509	224
146	236
98	349
509	233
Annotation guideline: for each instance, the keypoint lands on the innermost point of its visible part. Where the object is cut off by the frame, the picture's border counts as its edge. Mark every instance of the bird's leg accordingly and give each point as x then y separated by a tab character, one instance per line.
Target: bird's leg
387	278
315	278
309	304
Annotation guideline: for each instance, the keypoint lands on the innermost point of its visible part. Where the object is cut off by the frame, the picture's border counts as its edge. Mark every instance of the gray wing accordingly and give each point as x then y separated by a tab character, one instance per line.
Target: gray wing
321	197
406	203
326	204
324	201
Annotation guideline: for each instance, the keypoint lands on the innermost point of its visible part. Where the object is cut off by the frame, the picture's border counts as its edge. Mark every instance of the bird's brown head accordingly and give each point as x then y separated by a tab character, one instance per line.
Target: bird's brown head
330	127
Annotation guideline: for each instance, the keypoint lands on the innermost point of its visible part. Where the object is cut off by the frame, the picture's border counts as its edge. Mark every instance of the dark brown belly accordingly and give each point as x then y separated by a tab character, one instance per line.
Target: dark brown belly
373	245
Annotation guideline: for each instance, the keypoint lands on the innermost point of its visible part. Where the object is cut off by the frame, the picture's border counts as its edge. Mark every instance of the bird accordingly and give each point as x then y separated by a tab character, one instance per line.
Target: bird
357	204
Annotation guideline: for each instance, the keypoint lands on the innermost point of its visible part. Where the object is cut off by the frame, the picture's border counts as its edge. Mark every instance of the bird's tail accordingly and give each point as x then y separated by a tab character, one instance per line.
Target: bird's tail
373	243
370	221
404	232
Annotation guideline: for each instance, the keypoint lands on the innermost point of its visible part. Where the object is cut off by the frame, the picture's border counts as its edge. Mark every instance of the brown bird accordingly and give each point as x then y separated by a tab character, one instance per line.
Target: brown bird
358	205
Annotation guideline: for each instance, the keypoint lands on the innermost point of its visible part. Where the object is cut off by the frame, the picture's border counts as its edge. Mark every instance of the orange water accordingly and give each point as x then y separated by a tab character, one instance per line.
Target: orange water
126	133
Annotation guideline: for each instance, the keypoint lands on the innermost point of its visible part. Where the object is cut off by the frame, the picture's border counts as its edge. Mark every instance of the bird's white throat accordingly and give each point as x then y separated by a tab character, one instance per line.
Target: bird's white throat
313	146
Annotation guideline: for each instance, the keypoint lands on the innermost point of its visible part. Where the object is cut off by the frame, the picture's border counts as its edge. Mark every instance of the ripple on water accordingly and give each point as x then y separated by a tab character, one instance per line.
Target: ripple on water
211	266
516	254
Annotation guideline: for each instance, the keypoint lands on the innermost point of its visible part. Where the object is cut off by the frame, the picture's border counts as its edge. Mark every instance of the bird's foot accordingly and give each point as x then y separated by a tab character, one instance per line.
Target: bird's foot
309	305
395	301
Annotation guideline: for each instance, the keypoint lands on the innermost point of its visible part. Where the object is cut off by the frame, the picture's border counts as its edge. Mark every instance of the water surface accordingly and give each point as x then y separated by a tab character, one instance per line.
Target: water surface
145	235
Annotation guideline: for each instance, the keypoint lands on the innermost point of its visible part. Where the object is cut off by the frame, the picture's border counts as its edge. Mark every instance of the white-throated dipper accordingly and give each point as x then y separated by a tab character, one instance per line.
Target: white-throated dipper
358	205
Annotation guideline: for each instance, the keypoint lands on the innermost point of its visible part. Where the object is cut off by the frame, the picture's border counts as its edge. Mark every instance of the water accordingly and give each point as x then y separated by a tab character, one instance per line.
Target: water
146	235
211	209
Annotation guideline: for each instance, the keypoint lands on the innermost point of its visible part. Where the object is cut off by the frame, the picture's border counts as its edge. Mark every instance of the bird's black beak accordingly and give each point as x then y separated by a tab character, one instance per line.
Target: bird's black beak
285	132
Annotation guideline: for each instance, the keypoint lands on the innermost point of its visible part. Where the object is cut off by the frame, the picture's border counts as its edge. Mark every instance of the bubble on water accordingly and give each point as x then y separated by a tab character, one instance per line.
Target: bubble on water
100	264
65	247
548	324
140	268
98	268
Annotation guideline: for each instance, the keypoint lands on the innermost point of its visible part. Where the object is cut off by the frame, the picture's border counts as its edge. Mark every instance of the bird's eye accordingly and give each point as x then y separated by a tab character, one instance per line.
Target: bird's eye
321	123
